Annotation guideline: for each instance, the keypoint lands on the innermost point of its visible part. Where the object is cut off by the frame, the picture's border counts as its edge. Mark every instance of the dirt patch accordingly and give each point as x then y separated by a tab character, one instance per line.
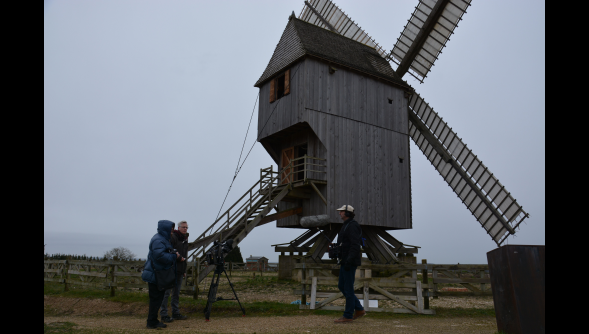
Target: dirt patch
89	307
293	324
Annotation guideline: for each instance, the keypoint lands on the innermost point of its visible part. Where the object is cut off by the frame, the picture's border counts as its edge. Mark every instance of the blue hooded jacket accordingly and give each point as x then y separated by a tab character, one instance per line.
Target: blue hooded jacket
158	252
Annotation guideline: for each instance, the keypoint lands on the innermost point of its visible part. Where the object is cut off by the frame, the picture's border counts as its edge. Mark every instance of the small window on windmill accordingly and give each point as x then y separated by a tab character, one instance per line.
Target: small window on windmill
401	159
390	101
280	86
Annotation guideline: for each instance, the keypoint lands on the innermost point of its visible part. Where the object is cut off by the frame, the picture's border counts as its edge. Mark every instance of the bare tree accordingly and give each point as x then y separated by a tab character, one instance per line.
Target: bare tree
119	254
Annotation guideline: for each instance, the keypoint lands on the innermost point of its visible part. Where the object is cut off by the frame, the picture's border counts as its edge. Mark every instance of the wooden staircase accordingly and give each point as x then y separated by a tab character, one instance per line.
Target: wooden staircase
252	209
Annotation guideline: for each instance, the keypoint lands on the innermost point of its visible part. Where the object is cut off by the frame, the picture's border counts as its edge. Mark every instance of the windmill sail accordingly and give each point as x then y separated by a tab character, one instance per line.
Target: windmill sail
327	15
425	35
481	192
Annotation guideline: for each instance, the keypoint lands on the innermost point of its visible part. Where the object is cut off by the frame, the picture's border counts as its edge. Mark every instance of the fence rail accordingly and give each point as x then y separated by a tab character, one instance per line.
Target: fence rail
120	274
400	284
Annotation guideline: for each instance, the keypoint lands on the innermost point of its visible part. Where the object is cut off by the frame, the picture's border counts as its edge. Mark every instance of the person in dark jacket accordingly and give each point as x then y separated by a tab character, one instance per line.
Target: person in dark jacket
158	258
179	241
349	238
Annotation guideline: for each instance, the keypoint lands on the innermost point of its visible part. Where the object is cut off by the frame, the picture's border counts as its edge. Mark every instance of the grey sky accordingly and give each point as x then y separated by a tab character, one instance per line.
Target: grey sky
146	104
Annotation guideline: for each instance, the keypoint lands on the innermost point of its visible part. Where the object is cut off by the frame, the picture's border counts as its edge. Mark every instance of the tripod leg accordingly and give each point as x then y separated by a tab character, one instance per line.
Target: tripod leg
212	295
234	293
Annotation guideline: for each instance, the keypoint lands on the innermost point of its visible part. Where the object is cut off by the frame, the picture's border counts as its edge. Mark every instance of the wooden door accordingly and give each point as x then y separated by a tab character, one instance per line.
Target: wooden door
287	156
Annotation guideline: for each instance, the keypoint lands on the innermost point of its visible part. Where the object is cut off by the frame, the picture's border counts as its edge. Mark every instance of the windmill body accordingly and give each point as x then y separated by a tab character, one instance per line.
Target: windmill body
346	105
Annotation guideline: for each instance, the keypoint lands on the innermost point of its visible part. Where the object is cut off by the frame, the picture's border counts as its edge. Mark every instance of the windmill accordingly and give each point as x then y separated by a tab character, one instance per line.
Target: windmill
337	119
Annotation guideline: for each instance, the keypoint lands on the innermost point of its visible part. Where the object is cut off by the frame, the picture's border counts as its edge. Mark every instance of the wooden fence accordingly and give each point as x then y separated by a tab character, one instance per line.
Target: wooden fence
400	285
108	274
118	274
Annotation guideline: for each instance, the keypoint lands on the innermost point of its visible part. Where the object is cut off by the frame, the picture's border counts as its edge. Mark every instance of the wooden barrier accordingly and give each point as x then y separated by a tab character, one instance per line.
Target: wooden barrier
401	286
109	274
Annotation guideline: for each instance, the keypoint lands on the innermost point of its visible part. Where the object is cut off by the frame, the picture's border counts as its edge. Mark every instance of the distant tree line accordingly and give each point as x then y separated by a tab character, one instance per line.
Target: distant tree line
124	254
116	254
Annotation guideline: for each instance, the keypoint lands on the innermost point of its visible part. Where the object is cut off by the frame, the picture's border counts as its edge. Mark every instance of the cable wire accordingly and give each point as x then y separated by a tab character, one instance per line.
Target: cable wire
238	167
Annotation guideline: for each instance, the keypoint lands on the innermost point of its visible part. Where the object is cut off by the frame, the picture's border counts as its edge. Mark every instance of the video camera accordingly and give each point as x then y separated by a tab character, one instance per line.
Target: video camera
216	254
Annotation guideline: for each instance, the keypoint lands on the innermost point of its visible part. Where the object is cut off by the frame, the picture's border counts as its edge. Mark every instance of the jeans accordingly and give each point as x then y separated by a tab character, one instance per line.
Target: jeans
175	292
155	301
346	286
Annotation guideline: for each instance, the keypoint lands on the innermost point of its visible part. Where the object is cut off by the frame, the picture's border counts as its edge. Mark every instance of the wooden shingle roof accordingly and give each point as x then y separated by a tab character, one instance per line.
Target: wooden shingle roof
301	39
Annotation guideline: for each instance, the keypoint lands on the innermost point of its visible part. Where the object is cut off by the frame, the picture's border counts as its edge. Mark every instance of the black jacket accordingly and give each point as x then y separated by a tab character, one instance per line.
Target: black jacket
350	237
180	243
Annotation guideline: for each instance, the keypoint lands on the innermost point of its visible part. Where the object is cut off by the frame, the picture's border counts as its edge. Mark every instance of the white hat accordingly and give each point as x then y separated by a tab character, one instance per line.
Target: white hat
346	208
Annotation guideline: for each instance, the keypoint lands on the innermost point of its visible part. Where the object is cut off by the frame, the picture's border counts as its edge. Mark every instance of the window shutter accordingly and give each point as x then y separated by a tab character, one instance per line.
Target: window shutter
287	82
272	92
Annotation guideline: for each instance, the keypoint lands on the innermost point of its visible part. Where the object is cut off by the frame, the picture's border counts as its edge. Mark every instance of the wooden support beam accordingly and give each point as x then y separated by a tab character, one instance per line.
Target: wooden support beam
280	215
321	18
318	192
421	37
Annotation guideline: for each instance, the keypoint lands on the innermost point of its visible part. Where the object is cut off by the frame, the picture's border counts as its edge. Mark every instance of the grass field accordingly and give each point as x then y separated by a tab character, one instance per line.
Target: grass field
266	300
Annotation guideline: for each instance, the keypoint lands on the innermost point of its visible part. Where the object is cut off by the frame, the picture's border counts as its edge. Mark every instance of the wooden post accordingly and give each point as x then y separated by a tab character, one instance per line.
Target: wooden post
483	285
366	273
425	279
419	296
195	277
434	276
113	268
414	276
303	279
67	274
305	168
313	292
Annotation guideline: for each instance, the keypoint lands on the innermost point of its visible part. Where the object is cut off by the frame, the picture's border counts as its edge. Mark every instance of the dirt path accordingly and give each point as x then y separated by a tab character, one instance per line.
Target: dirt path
291	324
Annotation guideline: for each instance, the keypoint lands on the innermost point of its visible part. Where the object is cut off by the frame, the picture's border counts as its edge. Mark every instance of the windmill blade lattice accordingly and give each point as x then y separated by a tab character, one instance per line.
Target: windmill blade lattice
327	15
425	35
481	192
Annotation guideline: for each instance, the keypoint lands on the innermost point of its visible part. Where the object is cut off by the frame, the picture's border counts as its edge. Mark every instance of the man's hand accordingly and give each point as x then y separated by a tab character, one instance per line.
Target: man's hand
177	255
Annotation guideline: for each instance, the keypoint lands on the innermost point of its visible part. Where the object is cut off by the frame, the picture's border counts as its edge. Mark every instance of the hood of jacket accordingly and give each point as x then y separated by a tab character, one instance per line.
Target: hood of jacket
164	228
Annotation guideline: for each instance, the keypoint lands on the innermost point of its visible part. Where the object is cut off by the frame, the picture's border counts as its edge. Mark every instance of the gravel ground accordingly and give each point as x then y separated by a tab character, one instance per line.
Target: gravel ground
129	317
291	324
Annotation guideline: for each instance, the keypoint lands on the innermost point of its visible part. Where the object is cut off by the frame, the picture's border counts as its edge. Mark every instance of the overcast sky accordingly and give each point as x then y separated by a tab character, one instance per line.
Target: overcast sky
146	105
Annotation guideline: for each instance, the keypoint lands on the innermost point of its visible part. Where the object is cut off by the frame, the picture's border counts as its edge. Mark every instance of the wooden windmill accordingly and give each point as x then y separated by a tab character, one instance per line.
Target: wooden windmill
337	119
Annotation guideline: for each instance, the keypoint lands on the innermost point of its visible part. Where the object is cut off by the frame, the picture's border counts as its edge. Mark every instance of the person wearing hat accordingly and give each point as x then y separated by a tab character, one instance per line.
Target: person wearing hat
349	238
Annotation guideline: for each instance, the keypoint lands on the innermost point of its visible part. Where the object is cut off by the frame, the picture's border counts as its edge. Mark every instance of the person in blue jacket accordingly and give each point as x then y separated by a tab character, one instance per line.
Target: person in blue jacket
161	257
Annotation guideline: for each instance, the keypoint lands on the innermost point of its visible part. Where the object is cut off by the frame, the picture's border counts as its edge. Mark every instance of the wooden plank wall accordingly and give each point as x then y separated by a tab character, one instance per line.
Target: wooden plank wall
363	134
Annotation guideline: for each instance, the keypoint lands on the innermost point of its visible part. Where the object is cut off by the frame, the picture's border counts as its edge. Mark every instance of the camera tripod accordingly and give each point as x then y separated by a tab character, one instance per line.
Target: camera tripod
219	269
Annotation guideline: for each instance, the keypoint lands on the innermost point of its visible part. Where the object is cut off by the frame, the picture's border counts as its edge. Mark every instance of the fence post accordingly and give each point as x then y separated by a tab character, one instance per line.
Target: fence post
483	285
66	272
425	279
414	276
434	276
195	275
365	273
303	279
112	269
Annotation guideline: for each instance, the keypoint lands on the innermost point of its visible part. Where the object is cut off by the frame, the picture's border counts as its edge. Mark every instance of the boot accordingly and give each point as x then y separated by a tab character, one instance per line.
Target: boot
158	326
167	319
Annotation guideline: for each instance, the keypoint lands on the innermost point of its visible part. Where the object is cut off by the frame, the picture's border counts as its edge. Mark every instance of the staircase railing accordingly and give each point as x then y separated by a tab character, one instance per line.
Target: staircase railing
255	199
